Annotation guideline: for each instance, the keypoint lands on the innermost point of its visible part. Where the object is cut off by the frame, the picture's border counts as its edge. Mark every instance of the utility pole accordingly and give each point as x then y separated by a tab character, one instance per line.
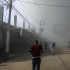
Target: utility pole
42	23
8	28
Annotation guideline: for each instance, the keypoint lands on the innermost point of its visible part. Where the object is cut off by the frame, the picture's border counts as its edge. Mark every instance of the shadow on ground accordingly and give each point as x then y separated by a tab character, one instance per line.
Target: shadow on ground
22	57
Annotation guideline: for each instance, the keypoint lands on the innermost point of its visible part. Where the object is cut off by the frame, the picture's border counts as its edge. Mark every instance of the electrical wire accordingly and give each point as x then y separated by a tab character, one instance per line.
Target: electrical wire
34	4
21	15
43	4
1	1
24	18
46	14
27	10
4	1
2	5
9	0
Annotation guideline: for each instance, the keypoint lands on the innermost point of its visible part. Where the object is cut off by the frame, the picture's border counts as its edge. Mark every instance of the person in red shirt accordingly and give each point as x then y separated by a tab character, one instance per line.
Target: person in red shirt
36	51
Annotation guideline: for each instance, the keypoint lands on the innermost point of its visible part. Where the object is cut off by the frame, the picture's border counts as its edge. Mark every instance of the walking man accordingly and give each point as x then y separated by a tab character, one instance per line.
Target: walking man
36	51
53	47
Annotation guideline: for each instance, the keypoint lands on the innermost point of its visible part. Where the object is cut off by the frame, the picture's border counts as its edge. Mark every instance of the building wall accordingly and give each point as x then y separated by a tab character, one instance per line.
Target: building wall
21	43
18	43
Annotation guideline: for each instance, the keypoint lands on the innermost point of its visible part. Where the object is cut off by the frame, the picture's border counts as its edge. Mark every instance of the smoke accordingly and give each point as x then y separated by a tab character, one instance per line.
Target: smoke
57	19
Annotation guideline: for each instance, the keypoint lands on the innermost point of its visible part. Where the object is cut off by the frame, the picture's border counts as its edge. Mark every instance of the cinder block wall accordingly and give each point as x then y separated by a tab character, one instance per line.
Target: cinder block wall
17	43
21	43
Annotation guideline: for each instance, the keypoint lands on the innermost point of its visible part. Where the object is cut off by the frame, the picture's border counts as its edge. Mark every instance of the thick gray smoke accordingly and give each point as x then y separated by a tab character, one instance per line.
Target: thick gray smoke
56	17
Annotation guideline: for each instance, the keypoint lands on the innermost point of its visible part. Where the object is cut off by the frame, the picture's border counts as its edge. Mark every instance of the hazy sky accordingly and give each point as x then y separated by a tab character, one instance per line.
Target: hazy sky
56	17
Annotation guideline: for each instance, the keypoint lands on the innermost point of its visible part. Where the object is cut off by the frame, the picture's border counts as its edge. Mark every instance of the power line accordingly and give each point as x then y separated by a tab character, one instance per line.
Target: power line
17	20
2	5
45	13
5	1
1	1
44	4
8	0
27	10
21	15
34	5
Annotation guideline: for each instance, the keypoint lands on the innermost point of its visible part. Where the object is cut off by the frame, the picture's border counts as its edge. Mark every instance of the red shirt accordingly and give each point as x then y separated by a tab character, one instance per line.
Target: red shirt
36	50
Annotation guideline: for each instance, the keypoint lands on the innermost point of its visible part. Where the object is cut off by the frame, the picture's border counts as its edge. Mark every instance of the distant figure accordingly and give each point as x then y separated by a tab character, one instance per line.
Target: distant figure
36	51
53	47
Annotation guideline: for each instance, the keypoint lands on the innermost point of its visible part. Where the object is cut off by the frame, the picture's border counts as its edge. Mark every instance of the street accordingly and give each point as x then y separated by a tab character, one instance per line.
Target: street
59	61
